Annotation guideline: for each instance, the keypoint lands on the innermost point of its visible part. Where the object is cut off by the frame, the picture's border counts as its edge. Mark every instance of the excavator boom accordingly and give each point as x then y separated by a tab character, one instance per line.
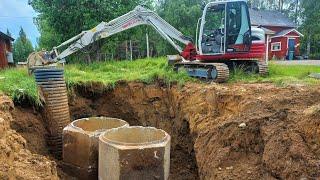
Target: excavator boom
139	16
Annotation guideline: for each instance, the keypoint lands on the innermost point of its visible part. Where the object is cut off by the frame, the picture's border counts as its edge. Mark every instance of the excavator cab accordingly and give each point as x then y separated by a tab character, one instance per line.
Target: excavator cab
225	43
225	28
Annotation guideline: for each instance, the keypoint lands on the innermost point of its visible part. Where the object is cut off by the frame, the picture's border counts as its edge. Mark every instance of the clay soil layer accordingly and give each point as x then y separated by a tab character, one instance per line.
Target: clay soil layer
237	131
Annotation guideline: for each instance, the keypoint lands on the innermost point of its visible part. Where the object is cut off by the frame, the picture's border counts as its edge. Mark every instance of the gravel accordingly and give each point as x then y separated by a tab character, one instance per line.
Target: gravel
303	62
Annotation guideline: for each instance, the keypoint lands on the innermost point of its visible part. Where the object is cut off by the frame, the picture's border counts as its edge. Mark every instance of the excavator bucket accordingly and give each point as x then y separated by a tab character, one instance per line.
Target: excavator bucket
38	60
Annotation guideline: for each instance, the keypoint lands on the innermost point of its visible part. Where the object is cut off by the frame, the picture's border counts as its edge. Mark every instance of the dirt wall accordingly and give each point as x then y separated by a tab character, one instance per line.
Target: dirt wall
238	131
16	161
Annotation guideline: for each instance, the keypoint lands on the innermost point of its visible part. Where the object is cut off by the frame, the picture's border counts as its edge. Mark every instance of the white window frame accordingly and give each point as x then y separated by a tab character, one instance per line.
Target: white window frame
273	44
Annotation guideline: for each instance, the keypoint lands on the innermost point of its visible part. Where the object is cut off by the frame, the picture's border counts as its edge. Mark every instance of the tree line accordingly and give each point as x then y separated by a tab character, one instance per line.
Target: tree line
59	20
22	46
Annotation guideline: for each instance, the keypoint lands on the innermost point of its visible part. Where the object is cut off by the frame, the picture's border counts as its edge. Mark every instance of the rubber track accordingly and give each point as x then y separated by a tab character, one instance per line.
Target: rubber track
263	68
223	72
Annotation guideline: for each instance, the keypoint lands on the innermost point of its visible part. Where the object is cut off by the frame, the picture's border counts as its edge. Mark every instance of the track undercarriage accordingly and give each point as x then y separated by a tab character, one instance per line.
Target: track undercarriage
220	72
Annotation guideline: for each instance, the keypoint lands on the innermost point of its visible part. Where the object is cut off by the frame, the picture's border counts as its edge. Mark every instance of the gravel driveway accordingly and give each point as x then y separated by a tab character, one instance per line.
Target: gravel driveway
304	62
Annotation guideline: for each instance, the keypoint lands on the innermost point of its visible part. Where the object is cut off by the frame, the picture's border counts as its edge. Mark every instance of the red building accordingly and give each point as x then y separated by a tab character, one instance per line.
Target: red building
282	36
5	50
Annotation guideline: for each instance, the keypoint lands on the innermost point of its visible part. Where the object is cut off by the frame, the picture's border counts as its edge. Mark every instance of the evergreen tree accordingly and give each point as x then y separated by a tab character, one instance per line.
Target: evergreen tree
311	27
22	47
22	35
8	33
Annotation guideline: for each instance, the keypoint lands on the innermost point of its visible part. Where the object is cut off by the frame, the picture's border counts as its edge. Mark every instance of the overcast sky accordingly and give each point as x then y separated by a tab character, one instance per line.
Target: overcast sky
16	13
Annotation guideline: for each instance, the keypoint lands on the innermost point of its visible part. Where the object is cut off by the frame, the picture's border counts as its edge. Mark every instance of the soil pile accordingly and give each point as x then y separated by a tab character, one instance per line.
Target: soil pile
239	131
16	161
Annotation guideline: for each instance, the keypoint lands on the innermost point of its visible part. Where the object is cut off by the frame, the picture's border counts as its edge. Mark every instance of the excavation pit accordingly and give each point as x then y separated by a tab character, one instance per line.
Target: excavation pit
280	140
80	144
134	153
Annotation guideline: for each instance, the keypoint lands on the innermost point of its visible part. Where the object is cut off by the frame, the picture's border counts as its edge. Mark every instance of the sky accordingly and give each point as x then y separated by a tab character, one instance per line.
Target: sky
15	14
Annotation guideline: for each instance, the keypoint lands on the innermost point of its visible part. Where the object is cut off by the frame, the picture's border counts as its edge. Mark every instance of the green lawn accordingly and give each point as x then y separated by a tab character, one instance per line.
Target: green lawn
281	75
145	70
17	84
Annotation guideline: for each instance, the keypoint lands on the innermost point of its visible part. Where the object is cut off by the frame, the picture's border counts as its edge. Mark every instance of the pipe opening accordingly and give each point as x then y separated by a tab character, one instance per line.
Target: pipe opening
134	153
98	123
135	136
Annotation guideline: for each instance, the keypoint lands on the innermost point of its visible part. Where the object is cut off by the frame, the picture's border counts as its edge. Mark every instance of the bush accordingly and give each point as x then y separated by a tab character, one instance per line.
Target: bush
315	56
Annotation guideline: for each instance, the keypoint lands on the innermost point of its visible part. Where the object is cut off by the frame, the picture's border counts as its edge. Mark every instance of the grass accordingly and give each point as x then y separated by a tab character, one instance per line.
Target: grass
20	86
109	73
280	75
17	84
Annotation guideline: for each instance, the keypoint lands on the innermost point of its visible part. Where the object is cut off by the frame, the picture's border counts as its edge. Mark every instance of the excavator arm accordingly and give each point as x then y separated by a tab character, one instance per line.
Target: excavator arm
138	16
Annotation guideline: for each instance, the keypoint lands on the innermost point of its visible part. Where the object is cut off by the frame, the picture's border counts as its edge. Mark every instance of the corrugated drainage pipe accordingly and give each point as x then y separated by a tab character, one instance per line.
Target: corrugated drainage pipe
52	89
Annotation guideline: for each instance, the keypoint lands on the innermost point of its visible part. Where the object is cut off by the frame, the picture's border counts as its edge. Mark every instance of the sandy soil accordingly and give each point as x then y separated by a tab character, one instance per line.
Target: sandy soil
238	131
16	161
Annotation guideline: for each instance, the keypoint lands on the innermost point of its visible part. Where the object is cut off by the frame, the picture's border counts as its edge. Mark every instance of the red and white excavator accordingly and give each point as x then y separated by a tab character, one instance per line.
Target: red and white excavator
225	39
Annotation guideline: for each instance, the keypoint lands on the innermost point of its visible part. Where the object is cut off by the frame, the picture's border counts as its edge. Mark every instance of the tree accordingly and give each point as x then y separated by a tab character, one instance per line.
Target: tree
311	27
8	33
284	6
60	20
181	14
49	38
22	47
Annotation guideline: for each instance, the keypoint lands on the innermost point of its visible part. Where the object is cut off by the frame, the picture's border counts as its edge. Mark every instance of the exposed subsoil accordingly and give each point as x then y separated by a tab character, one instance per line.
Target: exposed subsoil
238	131
17	161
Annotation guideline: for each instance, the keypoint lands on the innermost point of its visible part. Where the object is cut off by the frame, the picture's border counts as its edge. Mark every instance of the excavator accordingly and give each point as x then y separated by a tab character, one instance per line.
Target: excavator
225	40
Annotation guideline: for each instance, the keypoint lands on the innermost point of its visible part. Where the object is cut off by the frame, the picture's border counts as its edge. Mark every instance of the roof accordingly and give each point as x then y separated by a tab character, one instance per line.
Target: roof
287	31
5	36
268	31
270	18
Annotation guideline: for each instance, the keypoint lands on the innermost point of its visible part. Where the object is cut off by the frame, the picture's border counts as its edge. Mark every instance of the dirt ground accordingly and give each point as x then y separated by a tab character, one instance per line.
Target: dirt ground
219	131
16	160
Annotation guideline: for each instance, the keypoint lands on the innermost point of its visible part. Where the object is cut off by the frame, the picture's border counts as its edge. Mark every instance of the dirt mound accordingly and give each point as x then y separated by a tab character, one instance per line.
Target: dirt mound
239	131
16	162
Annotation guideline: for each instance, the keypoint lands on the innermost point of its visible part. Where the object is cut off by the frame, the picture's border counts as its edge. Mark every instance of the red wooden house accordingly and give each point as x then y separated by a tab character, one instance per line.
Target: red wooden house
282	36
5	50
